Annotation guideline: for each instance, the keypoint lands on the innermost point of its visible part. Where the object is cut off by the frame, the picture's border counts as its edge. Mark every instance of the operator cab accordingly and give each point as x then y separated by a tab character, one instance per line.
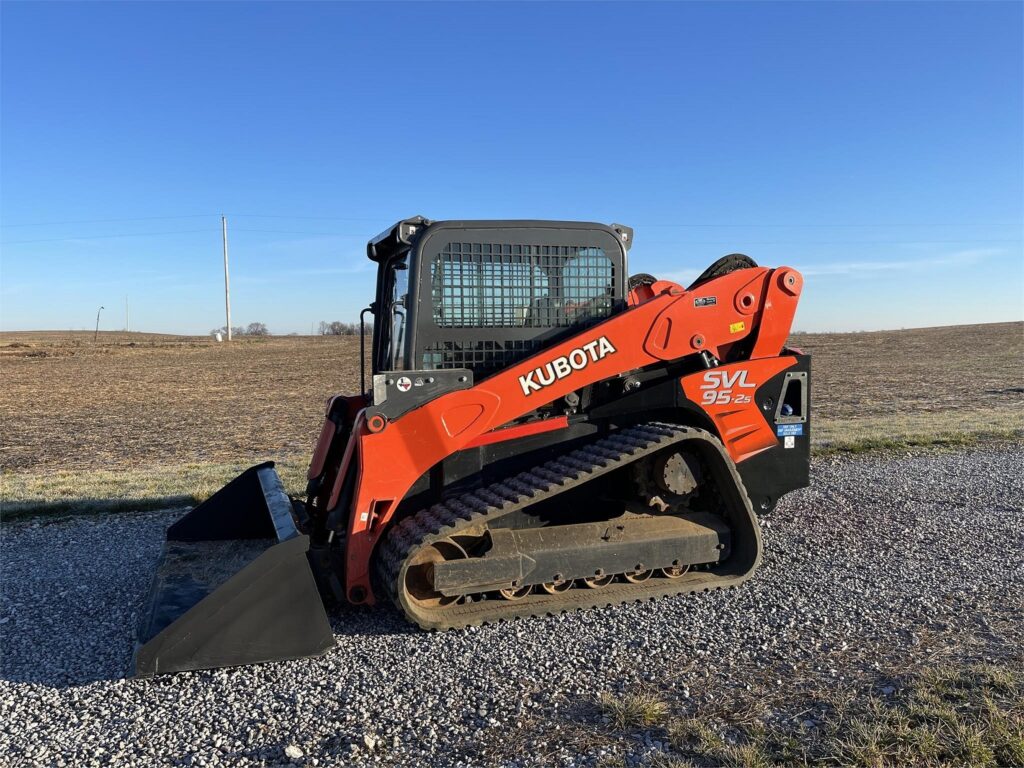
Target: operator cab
478	296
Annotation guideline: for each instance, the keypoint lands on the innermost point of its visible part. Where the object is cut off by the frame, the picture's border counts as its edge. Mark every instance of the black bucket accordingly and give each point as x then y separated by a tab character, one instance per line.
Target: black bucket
234	585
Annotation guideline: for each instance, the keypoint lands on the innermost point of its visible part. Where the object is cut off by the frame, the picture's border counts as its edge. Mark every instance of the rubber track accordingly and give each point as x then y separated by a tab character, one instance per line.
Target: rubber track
483	505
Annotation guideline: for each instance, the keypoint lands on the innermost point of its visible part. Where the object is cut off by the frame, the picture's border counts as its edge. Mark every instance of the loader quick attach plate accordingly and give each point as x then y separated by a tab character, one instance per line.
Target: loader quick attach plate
234	585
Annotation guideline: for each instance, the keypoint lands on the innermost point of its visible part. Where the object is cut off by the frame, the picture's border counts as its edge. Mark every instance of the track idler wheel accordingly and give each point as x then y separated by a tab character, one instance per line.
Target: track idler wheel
599	581
419	578
554	587
515	593
638	576
675	571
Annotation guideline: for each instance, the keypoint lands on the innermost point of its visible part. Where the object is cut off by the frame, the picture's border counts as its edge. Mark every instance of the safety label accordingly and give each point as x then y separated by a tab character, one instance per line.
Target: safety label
789	429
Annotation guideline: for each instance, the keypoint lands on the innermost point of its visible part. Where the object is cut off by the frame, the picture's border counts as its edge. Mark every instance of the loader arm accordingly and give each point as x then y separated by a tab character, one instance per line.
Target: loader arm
388	457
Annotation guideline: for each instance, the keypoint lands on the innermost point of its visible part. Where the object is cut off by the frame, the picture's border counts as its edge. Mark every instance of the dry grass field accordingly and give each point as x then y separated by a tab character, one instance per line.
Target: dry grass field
951	384
135	417
133	402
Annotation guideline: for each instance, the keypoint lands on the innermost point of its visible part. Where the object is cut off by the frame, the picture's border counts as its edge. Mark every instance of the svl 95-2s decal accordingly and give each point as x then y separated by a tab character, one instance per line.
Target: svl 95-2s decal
722	388
727	395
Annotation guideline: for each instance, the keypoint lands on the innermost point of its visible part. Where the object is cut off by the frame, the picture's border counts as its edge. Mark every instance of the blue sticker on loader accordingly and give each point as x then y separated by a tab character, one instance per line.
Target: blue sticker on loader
782	430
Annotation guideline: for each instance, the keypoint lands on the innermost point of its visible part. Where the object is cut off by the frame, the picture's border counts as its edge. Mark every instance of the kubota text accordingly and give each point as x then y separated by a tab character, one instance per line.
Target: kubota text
560	367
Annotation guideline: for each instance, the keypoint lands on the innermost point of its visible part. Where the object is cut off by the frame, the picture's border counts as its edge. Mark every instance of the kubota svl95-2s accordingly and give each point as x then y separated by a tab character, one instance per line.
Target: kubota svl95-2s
541	433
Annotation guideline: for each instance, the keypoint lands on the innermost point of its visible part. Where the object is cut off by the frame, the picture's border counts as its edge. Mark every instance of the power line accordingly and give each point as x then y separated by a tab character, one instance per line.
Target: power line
188	216
828	242
798	225
177	232
297	232
106	237
321	218
106	221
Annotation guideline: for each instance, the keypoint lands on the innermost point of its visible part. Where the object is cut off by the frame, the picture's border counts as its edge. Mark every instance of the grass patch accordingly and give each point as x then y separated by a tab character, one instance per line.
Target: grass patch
97	491
941	708
632	710
944	429
970	715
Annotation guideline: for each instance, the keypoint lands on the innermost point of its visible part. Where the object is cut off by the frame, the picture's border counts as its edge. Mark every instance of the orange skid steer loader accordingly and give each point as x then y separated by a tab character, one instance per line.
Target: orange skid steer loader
540	433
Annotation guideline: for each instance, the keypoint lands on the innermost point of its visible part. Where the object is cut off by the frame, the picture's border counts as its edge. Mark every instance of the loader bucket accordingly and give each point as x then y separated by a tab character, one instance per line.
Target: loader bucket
234	585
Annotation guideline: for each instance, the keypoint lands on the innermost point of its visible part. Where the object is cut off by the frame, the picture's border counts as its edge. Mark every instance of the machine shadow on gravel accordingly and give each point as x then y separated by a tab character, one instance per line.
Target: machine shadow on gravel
382	620
50	512
96	653
71	625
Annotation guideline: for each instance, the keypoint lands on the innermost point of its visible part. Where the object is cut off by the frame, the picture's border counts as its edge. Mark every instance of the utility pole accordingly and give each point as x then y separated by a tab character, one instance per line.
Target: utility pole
227	283
127	322
96	334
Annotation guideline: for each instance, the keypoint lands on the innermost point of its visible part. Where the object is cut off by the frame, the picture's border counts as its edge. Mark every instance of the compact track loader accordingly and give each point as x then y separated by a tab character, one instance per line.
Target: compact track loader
539	433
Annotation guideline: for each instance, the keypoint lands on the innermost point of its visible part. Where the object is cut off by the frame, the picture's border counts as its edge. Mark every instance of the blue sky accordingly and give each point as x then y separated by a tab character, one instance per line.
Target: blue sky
875	146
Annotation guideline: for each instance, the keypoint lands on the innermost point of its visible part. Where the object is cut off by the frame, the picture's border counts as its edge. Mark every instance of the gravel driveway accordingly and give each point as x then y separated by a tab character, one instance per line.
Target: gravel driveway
883	557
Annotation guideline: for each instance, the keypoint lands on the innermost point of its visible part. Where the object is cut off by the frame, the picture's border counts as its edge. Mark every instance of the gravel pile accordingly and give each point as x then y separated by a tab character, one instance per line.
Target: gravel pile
880	553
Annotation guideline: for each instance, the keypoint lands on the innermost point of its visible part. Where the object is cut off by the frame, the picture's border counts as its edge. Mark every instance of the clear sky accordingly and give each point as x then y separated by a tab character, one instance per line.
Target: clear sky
876	146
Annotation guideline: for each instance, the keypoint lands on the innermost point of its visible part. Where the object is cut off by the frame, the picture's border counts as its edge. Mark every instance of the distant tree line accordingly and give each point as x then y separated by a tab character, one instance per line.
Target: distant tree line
337	328
252	329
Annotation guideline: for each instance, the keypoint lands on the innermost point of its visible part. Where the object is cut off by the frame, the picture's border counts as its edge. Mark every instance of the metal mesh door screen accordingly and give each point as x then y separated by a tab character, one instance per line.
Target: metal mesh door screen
495	285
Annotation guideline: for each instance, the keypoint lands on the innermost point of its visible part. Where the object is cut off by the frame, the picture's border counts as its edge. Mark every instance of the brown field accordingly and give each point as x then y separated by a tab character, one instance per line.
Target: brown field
154	406
131	401
955	382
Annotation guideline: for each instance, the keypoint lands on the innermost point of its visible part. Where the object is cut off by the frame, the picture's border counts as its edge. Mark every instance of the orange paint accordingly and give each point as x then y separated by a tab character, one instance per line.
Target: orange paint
726	394
522	430
657	329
